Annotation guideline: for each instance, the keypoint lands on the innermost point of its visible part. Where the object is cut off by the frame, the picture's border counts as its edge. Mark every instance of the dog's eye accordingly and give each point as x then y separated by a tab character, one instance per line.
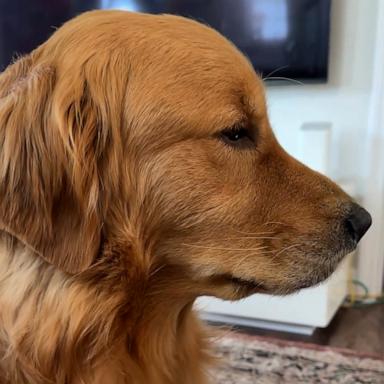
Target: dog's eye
237	137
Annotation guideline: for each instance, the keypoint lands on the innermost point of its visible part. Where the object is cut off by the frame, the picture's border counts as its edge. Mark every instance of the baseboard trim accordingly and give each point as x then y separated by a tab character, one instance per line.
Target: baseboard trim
256	323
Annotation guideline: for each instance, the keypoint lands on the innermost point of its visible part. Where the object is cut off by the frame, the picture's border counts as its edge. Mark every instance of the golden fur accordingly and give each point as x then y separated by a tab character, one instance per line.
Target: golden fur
121	201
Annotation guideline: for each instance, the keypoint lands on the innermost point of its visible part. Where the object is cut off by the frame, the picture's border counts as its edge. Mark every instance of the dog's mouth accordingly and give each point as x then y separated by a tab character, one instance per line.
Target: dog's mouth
240	283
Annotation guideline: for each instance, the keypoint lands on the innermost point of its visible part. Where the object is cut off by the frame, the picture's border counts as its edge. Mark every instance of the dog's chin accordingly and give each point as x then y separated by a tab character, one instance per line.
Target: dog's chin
232	287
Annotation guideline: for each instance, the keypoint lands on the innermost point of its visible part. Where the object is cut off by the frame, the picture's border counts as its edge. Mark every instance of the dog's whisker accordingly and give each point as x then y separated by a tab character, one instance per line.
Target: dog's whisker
242	259
254	233
285	79
285	249
269	75
156	270
274	223
223	248
265	253
254	238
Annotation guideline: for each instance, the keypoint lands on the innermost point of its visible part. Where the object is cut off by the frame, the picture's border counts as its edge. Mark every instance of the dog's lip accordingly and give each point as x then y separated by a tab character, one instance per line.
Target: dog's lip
245	283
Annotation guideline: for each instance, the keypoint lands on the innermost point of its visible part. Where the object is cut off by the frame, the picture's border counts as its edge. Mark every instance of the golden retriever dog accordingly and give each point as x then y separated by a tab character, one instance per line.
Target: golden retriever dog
138	171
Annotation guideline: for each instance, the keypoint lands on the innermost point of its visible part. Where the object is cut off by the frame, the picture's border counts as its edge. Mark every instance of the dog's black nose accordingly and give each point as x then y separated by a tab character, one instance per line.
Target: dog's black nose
358	222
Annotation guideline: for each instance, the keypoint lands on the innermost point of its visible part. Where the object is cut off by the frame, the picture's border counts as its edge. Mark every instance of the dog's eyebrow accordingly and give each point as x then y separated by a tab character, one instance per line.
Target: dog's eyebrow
242	123
217	123
234	124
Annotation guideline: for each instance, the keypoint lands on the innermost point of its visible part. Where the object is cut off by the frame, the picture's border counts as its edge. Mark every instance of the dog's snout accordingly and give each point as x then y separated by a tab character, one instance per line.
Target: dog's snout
358	222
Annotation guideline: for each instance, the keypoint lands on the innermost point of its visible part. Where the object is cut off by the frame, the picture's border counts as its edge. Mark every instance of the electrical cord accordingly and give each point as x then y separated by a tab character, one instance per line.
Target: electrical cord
359	300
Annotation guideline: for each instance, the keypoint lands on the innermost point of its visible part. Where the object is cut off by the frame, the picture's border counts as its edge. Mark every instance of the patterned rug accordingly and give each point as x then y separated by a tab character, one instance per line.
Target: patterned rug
260	360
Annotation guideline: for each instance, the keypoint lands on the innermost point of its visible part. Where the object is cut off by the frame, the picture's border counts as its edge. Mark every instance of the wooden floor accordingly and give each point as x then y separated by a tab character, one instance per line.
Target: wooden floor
360	329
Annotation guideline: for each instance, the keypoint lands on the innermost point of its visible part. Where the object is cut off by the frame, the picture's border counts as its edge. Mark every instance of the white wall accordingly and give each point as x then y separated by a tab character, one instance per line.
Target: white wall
344	100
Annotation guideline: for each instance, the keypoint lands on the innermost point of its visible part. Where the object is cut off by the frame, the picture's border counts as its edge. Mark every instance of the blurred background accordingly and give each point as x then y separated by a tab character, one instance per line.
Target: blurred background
322	61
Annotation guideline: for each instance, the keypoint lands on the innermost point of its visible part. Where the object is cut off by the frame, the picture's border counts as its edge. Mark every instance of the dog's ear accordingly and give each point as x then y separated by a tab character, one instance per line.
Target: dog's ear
51	144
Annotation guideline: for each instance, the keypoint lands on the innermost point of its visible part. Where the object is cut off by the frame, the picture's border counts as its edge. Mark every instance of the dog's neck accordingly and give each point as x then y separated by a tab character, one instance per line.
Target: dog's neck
53	325
166	334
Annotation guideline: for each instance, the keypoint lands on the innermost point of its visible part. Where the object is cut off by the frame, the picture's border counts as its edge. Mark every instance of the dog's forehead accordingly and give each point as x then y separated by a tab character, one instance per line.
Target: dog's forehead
176	65
190	68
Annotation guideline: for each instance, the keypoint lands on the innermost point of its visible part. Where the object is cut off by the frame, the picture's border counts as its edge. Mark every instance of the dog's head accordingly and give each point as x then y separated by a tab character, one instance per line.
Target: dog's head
151	132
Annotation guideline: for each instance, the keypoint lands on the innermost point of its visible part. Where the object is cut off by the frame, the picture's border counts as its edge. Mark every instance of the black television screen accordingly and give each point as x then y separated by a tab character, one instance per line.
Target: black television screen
288	38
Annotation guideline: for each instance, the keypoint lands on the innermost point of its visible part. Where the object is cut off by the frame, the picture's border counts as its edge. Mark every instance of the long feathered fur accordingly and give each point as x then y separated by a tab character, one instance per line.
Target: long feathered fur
123	199
61	170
